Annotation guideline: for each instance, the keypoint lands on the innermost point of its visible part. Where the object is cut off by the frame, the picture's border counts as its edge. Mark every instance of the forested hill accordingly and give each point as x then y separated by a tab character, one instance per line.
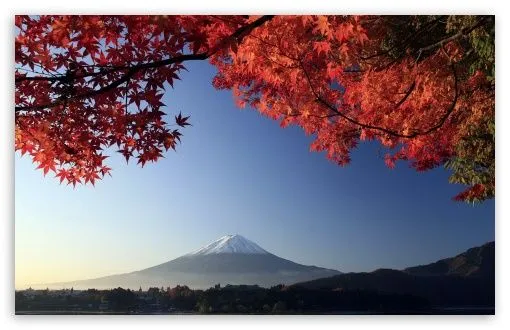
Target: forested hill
477	261
464	280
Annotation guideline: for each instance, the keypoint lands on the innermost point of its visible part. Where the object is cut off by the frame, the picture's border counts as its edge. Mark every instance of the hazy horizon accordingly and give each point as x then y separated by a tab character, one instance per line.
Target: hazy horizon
238	172
53	285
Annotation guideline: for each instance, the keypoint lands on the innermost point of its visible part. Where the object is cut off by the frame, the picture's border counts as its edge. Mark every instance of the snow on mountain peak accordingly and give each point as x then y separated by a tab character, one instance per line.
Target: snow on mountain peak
230	244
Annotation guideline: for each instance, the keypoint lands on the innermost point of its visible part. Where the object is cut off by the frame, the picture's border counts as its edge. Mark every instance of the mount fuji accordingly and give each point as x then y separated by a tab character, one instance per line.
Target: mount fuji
231	259
230	244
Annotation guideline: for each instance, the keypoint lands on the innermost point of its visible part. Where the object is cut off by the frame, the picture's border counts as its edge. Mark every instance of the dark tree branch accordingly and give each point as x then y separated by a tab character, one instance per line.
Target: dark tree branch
406	41
245	30
238	35
131	72
409	91
390	132
464	32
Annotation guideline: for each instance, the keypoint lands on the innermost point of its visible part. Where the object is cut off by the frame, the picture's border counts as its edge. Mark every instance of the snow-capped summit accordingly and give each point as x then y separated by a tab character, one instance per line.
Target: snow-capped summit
230	244
231	259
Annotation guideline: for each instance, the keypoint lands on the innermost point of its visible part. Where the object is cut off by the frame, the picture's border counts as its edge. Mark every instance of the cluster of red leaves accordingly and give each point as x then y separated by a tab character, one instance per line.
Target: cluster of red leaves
88	83
320	73
471	193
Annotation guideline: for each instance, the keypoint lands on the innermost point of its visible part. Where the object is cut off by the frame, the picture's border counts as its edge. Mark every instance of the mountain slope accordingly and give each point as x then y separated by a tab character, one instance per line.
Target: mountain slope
477	261
230	263
232	259
465	280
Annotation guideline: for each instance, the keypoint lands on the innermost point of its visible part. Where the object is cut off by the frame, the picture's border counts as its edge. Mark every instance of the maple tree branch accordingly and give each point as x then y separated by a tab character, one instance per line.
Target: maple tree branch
278	47
464	32
238	35
450	109
438	125
406	41
314	116
245	30
225	20
32	71
297	113
409	91
113	69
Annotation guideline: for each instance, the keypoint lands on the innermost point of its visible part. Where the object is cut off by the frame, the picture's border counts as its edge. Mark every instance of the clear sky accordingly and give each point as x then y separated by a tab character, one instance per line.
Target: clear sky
239	172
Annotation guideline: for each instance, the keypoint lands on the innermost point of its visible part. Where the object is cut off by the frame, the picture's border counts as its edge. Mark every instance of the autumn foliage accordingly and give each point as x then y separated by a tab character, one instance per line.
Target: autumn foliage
423	86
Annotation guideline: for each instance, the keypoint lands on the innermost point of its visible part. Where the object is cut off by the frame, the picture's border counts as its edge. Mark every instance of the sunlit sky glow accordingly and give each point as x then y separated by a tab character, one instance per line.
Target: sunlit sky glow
239	172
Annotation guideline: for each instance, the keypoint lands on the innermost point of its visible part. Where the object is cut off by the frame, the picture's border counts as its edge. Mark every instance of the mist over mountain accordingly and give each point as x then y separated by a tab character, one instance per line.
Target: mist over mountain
232	259
467	279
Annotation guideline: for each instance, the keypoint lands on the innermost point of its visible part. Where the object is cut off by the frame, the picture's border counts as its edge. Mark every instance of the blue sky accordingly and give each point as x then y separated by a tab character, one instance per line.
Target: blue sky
239	172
